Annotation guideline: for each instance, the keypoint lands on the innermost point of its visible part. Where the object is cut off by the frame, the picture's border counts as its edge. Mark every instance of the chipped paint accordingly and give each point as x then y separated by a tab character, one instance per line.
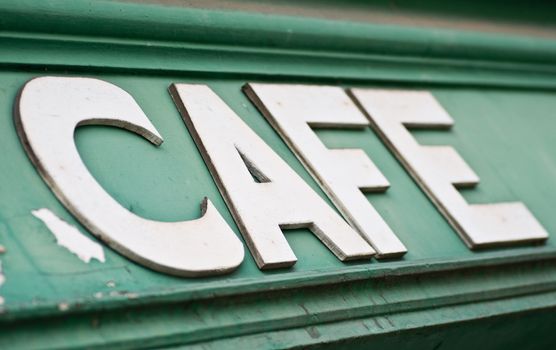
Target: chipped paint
70	237
2	280
63	307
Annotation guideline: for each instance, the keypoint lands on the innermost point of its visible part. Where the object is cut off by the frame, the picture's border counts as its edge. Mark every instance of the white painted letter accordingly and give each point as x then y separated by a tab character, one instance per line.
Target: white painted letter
47	113
440	169
342	173
262	191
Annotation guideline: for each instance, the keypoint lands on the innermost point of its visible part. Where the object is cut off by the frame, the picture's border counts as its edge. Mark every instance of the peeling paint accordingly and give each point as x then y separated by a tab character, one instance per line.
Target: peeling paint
63	307
2	280
69	236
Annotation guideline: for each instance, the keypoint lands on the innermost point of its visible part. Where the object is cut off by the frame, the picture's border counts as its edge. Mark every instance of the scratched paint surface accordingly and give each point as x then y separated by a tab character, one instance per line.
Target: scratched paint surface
506	136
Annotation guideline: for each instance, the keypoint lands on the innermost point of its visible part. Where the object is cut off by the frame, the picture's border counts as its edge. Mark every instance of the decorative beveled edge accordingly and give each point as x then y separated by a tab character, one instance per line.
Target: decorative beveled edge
191	40
275	282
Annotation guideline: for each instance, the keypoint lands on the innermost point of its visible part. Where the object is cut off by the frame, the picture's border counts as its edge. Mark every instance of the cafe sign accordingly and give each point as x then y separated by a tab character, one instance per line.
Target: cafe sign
264	194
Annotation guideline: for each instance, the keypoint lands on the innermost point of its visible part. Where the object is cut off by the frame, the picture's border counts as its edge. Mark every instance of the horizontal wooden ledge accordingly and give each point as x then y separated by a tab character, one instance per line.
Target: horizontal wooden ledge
78	54
399	325
152	23
279	282
283	310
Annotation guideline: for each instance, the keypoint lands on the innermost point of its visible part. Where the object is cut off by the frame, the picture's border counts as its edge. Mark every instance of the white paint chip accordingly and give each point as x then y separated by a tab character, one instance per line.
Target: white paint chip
2	280
69	237
63	306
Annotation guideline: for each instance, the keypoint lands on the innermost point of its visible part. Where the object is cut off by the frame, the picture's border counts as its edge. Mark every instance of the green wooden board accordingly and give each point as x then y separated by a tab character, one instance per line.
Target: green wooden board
499	90
511	153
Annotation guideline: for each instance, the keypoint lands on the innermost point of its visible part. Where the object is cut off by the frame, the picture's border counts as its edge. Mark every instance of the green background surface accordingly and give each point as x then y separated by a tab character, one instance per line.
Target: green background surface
492	67
507	137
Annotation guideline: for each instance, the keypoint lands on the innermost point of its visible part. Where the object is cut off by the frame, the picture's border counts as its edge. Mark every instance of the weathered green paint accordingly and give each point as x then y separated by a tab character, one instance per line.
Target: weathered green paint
505	127
301	317
171	40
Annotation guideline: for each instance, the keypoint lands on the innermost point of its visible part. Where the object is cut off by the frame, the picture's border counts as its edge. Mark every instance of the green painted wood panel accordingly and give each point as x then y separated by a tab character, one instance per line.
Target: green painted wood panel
512	154
498	88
